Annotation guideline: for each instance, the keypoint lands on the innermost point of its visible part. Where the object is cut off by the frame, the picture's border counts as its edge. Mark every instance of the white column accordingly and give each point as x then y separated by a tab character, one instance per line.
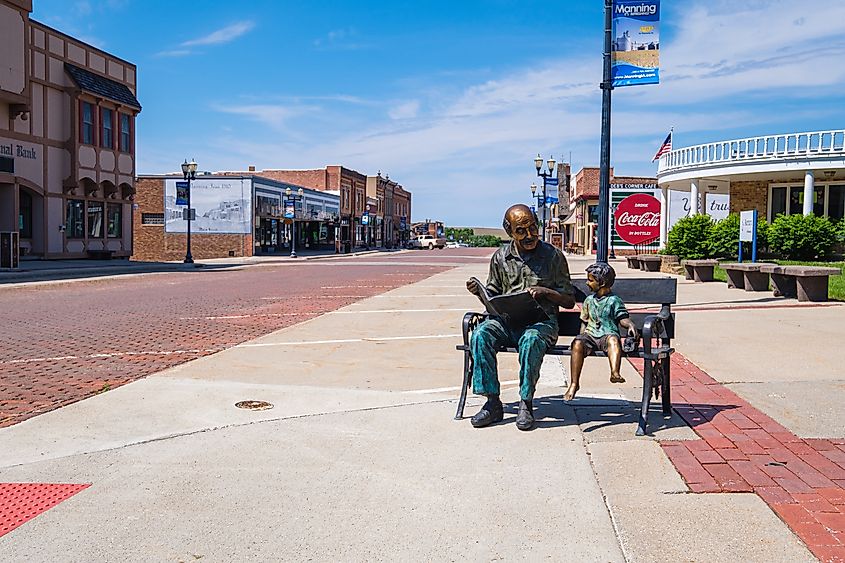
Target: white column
664	216
809	189
695	208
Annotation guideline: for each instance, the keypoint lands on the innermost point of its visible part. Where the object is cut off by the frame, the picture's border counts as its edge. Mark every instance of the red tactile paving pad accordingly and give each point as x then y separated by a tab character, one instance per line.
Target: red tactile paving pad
744	450
21	502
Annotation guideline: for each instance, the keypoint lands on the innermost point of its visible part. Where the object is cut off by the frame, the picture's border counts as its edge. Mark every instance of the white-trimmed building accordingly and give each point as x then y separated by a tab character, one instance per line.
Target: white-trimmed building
775	174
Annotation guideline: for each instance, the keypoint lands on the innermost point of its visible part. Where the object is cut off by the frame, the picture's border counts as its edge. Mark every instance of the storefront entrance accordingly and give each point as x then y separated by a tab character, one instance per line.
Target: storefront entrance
269	236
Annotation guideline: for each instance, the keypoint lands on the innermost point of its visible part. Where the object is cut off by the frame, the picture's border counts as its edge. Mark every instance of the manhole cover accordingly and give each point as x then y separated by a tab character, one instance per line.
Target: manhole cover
254	405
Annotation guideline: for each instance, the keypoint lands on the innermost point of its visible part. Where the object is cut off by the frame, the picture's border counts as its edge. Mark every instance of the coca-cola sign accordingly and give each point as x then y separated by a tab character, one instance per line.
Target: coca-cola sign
637	218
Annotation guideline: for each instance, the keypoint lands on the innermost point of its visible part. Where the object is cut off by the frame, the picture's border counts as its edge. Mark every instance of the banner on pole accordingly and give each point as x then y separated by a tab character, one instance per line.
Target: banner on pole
636	42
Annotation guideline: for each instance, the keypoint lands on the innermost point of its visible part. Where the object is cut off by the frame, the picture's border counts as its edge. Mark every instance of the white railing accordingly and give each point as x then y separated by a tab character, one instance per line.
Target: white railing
756	149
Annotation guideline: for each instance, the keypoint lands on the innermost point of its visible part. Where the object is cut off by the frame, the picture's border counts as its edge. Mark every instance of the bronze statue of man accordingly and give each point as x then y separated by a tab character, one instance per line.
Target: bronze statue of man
527	263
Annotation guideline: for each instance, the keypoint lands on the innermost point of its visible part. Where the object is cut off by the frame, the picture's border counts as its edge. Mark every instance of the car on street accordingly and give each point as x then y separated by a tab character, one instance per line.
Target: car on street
427	241
455	244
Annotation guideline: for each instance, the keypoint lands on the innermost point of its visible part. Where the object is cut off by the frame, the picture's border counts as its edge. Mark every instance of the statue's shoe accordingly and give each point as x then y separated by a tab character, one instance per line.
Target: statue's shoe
525	418
491	412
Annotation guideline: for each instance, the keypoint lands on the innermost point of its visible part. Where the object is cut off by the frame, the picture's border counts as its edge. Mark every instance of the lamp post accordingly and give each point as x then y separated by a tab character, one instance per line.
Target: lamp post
541	197
189	172
612	229
293	198
538	164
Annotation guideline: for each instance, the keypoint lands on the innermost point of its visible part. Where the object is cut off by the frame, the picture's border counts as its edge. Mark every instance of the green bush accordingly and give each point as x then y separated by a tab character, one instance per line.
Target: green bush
724	241
802	237
483	240
690	237
840	231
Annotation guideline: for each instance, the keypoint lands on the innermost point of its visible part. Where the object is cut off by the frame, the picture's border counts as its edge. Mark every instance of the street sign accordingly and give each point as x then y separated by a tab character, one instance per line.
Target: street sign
290	209
551	181
192	214
182	193
746	226
365	218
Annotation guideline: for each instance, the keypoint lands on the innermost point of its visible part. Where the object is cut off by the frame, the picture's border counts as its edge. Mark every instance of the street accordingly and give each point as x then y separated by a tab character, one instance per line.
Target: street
64	342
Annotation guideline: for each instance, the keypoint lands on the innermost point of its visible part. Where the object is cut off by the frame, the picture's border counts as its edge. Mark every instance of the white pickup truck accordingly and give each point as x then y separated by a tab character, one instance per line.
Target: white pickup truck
427	241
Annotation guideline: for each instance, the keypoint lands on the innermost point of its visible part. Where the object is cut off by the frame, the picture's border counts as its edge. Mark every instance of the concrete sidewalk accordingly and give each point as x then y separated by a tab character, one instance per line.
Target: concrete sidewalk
360	459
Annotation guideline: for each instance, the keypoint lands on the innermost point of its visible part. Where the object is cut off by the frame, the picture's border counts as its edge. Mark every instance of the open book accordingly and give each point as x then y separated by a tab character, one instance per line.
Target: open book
517	310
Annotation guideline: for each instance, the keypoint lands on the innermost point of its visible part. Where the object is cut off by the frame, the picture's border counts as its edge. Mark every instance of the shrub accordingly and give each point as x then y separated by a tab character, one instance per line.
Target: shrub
724	238
724	241
483	240
802	237
690	237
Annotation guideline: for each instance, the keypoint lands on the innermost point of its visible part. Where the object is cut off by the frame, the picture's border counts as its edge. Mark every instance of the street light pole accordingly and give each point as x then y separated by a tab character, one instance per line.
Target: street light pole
538	164
540	197
293	198
604	166
189	172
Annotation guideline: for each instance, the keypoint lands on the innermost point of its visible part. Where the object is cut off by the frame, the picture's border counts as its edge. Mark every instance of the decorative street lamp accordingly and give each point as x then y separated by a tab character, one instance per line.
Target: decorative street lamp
538	164
541	197
293	198
189	172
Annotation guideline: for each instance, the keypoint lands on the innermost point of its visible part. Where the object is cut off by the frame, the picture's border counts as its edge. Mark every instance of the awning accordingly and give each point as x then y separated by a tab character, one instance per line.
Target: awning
569	220
102	86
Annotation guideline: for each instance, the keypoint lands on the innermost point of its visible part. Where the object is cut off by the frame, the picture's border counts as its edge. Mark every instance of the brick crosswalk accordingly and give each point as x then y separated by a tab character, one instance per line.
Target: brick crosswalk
743	450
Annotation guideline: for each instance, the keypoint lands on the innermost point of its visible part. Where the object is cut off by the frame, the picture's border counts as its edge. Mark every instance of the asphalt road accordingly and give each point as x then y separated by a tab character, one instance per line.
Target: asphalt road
63	342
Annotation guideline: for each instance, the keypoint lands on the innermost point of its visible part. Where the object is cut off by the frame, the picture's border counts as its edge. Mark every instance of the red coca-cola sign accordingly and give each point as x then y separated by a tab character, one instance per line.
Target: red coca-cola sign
637	218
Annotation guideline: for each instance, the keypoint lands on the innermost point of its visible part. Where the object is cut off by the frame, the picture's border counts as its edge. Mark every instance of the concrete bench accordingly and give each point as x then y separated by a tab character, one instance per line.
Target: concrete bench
699	270
656	330
649	262
746	276
807	283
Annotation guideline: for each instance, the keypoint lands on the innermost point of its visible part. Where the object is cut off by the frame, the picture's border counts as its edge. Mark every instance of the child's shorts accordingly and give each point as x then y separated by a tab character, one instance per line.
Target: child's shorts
592	343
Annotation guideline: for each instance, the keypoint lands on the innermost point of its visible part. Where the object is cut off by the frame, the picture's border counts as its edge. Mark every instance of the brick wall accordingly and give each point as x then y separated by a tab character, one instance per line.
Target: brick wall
151	243
749	195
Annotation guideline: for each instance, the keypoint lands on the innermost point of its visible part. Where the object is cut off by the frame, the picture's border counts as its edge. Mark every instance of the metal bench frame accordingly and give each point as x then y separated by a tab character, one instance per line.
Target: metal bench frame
656	330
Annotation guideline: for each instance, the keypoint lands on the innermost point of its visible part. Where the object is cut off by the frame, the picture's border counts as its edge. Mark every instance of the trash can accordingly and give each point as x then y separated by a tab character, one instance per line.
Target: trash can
347	247
9	249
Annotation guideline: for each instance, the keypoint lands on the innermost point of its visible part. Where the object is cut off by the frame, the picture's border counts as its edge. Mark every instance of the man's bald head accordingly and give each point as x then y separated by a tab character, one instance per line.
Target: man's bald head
514	214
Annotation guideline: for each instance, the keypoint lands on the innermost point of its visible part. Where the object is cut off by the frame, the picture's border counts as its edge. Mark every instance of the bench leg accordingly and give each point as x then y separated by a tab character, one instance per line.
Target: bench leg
736	279
812	288
665	391
784	286
467	377
688	275
647	391
756	281
703	273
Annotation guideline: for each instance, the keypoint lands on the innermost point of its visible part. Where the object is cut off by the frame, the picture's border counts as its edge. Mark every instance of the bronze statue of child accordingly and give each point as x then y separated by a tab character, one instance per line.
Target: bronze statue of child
601	315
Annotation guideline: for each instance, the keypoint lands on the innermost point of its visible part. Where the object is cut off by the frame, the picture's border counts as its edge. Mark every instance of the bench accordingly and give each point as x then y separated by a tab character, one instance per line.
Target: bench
633	261
649	262
100	254
746	276
656	331
807	283
699	270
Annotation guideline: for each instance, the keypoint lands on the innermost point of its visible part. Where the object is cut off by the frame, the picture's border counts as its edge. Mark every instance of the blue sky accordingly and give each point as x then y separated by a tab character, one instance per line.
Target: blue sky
454	99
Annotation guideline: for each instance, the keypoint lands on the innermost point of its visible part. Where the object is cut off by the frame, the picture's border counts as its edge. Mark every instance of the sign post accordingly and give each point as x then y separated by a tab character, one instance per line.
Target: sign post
748	232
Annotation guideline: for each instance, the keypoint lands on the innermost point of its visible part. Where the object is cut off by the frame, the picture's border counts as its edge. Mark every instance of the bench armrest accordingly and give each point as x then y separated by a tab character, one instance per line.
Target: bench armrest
653	327
471	320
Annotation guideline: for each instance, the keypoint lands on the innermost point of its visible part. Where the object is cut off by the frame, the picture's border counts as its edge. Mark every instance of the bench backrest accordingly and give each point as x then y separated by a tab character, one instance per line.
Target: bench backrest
632	291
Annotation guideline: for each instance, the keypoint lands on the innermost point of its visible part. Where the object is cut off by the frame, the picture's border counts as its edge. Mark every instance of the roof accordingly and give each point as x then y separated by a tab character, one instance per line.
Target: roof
102	86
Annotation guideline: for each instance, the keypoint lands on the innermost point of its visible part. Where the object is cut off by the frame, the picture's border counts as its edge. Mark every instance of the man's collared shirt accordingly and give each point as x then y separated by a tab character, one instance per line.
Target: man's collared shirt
546	267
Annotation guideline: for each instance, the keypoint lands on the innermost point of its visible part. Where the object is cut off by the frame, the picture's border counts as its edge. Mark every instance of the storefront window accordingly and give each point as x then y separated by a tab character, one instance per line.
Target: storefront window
836	202
25	215
593	214
115	220
796	200
95	219
778	202
268	206
75	220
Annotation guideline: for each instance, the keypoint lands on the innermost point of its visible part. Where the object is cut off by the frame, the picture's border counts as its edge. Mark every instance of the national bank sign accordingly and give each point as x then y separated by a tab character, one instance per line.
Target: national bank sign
635	47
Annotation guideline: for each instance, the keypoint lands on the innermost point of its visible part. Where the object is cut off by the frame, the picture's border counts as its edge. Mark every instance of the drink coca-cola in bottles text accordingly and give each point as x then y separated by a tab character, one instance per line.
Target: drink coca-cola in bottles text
637	218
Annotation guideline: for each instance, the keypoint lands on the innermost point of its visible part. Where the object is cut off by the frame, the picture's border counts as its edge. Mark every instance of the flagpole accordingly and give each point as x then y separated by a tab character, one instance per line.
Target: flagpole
604	172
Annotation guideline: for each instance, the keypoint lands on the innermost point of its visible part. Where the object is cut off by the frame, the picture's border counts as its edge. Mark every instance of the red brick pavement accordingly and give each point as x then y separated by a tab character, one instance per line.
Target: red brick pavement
21	502
744	450
62	343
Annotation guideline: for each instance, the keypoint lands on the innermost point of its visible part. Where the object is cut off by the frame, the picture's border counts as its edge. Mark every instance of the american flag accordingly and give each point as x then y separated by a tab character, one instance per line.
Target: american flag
664	148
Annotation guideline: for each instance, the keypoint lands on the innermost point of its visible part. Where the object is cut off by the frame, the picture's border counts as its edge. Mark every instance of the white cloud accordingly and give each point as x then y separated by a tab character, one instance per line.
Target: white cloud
274	116
405	110
223	35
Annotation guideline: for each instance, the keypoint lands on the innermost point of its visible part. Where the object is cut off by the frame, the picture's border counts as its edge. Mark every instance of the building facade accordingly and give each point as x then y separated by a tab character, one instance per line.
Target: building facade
236	215
783	174
67	141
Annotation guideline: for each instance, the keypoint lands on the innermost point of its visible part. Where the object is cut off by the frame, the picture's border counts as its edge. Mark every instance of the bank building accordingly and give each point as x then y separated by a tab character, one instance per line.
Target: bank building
67	141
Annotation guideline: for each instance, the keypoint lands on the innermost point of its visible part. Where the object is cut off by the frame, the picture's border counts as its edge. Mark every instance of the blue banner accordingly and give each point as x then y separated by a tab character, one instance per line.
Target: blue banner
635	48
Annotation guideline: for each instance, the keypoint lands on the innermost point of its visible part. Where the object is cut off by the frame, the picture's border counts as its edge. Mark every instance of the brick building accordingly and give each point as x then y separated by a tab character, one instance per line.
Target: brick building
236	215
580	229
395	209
67	141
